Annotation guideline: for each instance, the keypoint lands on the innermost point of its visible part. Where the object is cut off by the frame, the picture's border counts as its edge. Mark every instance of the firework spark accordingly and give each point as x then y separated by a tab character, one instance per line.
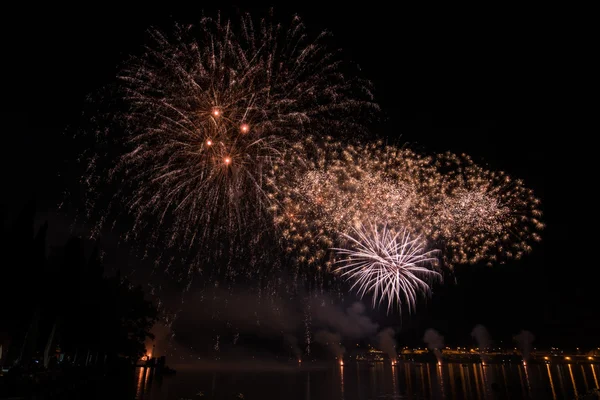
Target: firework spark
481	215
210	109
393	266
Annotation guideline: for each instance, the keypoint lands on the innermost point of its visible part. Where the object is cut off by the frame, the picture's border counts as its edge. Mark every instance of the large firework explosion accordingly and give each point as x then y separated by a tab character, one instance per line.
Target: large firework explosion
327	190
209	109
226	127
472	214
393	266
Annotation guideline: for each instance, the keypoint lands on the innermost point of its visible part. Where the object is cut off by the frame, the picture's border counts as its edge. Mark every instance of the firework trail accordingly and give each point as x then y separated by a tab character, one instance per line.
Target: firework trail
210	109
307	327
392	265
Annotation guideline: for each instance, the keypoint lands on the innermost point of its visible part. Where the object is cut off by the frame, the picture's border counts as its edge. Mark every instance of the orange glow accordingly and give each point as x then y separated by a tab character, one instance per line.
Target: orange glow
551	381
244	128
573	380
545	358
439	363
567	358
341	363
227	160
209	142
590	358
299	361
216	112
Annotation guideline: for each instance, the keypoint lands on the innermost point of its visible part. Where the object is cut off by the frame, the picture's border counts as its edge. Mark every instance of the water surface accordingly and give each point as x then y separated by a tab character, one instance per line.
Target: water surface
359	381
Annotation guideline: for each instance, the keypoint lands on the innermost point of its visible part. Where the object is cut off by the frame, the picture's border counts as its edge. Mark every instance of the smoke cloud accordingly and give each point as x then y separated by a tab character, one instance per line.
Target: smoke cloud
246	317
434	342
351	323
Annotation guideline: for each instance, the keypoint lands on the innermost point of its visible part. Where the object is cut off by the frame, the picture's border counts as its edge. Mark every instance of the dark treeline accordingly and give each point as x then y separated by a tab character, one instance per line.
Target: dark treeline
57	307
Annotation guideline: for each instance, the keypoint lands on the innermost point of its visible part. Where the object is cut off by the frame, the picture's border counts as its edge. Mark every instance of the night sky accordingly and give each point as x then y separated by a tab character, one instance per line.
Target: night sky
444	81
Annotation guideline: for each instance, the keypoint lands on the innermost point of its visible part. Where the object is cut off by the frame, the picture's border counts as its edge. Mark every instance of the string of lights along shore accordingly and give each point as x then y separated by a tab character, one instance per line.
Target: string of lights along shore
236	133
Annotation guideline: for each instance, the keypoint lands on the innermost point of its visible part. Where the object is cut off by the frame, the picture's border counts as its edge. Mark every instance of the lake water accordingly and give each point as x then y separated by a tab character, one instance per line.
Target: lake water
356	381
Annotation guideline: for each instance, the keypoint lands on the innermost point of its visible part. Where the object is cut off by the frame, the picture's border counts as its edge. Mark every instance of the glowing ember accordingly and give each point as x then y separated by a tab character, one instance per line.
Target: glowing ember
244	128
227	160
209	142
216	112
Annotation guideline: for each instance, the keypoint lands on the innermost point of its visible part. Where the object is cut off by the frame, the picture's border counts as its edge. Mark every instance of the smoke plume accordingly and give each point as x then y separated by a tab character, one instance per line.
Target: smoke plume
484	341
525	340
387	343
434	342
482	336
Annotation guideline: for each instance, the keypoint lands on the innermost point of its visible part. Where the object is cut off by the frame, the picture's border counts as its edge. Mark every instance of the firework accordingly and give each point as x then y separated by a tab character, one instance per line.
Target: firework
482	215
210	109
229	127
393	266
326	188
323	189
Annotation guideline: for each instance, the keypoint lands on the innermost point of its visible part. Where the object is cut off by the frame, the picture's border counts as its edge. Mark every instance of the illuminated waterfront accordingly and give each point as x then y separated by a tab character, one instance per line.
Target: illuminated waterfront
361	380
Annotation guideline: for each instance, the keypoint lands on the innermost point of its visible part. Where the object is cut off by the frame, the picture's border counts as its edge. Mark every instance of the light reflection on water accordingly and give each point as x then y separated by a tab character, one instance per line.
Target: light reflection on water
573	380
342	381
551	381
358	381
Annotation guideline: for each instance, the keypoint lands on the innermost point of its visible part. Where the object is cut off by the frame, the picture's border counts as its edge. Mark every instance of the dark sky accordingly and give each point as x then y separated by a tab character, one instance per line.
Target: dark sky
459	80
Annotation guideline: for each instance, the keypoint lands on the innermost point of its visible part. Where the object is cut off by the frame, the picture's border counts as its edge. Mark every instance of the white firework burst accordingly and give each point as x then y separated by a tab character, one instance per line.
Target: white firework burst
391	265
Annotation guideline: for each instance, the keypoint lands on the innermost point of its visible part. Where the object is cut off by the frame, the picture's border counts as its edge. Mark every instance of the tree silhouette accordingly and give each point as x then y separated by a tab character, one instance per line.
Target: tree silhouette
65	301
